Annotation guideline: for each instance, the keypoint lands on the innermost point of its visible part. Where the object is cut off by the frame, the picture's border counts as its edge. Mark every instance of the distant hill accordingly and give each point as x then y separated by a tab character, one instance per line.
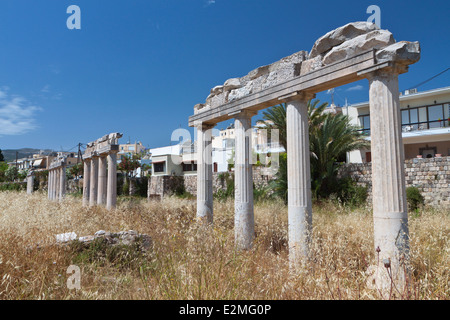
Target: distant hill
10	154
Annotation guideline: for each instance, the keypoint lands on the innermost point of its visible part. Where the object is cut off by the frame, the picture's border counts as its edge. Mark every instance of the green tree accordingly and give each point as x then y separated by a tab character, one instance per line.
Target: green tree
331	137
275	118
76	170
3	167
2	158
329	142
128	165
12	173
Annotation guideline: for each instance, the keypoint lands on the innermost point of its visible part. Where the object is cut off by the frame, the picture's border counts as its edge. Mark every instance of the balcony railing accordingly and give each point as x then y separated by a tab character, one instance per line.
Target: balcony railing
425	125
417	126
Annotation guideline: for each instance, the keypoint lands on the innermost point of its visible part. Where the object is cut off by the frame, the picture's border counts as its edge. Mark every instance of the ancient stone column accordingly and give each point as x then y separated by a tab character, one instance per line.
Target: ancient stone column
111	193
55	184
244	222
49	184
388	178
101	196
299	178
52	185
86	181
62	183
204	173
94	182
30	183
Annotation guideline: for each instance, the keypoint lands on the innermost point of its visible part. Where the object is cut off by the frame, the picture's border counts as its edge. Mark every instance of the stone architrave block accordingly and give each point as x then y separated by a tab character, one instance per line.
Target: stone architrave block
340	35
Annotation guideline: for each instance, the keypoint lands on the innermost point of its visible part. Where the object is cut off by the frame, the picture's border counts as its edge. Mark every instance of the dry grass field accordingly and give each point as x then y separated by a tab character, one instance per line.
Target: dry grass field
191	261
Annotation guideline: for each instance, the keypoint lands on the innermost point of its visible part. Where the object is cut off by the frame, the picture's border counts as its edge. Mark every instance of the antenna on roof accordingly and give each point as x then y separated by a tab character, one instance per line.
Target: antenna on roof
331	91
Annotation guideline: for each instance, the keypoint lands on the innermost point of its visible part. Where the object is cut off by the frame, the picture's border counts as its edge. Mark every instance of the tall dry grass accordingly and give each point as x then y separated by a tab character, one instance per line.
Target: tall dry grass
192	261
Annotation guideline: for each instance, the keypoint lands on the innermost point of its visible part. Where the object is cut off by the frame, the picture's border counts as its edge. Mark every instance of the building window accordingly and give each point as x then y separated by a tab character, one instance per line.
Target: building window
417	118
364	122
159	167
189	166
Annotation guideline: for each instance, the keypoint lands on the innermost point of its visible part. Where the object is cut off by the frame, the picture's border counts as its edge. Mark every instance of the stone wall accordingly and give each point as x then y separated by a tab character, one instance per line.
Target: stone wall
166	185
431	176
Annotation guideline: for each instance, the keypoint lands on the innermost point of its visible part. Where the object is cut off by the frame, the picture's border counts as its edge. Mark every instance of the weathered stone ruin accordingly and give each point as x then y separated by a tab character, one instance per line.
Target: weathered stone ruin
112	239
56	179
100	171
337	45
30	182
353	52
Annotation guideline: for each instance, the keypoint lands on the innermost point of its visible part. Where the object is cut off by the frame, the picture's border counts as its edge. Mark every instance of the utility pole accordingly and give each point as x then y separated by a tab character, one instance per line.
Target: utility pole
79	153
17	155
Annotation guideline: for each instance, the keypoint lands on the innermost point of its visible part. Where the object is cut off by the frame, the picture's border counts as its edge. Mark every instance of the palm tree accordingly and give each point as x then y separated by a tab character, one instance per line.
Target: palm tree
329	143
275	118
331	137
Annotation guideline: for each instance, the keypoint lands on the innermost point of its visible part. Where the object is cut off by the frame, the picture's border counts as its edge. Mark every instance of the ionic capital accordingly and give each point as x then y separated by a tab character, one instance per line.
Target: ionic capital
388	71
204	126
245	114
299	95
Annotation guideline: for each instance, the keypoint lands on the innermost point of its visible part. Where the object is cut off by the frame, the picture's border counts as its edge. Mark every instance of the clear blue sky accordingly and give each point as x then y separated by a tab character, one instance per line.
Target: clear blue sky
139	66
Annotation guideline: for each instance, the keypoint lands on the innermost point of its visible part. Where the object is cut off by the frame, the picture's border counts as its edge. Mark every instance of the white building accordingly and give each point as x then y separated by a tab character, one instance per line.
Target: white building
425	120
181	159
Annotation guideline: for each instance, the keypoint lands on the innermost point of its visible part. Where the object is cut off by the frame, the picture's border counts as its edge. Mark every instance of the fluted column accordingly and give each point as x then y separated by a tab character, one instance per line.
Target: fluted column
94	182
49	184
244	221
299	179
111	192
86	181
204	173
30	183
62	183
55	185
390	216
101	194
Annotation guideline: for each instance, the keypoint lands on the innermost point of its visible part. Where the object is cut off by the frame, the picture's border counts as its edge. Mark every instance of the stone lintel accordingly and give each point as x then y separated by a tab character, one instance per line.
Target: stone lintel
330	76
203	125
101	152
385	67
89	156
299	95
244	114
57	164
104	151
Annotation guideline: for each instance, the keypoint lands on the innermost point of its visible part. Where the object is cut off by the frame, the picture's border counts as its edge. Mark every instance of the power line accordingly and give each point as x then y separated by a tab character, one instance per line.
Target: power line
422	83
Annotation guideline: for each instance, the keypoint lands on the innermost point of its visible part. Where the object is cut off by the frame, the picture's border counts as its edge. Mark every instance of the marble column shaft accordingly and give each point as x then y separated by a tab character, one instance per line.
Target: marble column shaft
49	184
244	214
204	174
86	181
388	177
101	193
93	182
30	184
111	191
55	185
299	179
62	183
